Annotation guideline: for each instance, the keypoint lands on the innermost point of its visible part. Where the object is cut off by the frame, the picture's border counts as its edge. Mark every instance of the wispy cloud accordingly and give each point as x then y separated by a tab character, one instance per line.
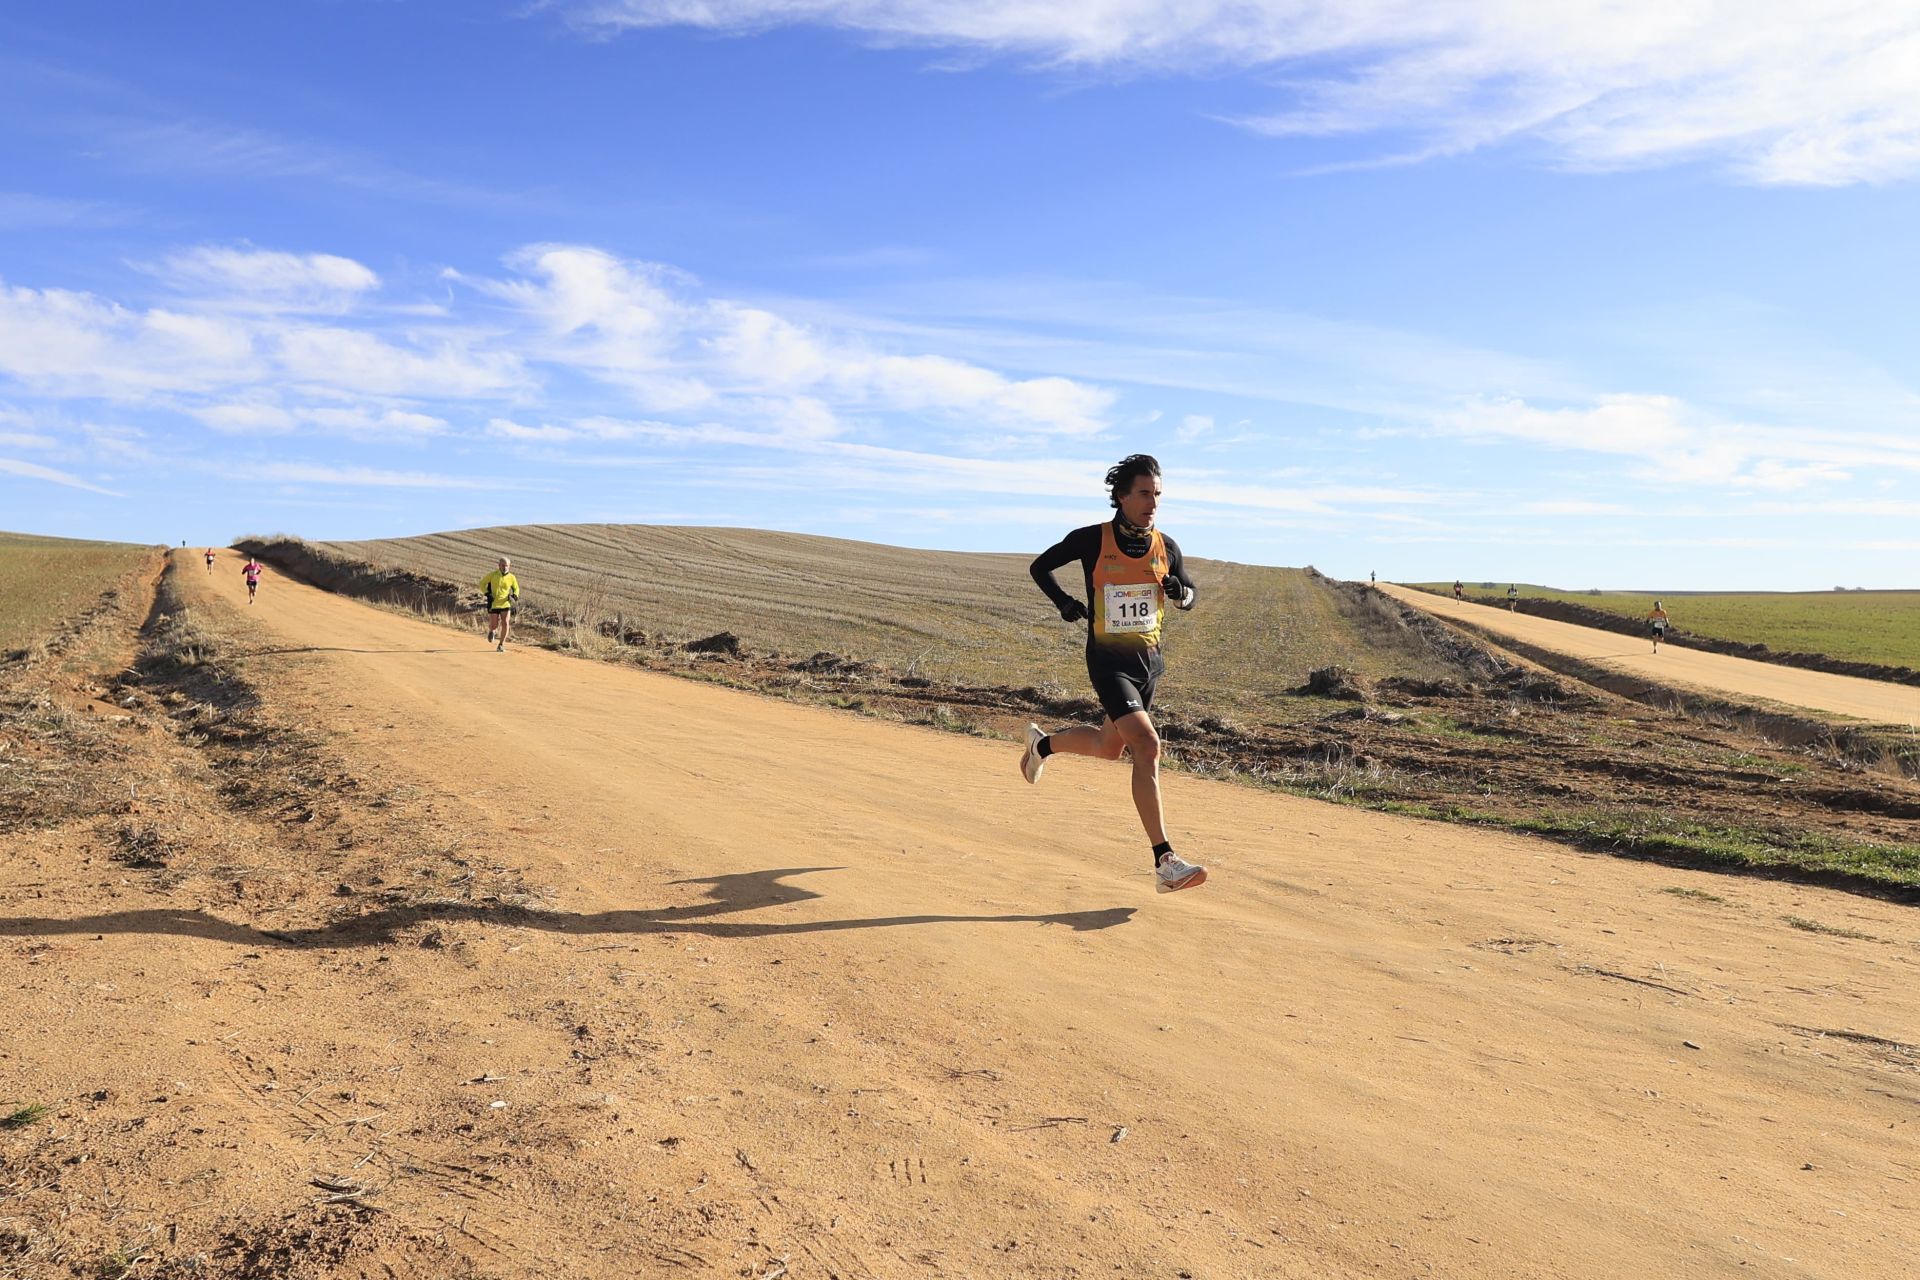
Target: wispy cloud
266	279
363	477
1115	334
25	211
64	343
34	471
1670	442
648	328
141	132
1779	91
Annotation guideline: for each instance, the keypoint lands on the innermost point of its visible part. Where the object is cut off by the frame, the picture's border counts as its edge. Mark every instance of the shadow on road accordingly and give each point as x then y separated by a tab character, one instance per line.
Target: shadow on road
727	895
321	648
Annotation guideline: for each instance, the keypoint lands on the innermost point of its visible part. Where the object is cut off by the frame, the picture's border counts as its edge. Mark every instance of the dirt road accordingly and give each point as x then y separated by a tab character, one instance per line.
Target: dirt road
1876	701
816	995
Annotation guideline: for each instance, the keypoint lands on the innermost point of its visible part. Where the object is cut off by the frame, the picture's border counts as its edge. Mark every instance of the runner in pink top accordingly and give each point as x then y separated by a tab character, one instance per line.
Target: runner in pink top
252	569
209	561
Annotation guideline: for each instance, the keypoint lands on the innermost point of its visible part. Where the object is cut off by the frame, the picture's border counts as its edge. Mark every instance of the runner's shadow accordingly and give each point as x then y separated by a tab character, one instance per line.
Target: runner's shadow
728	894
321	648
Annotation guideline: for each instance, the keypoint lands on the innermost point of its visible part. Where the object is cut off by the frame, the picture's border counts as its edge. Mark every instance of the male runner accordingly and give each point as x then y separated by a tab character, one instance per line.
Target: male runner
1657	623
1513	598
502	591
1130	569
209	562
1372	581
1458	590
251	571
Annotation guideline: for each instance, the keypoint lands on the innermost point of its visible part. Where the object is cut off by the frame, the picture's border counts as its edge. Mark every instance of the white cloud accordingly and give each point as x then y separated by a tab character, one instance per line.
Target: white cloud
601	429
387	424
646	328
1673	443
34	471
1572	507
266	278
354	360
251	418
1783	91
75	343
362	477
1194	427
25	211
273	417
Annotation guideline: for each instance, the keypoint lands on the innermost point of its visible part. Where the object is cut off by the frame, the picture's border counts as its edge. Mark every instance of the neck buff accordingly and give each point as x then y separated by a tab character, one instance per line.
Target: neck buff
1132	539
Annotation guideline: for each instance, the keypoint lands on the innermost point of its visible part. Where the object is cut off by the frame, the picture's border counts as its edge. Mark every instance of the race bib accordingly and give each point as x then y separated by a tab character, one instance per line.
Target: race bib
1132	608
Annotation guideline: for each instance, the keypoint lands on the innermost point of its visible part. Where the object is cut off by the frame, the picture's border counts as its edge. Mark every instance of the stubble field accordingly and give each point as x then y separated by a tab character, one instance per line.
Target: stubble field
969	618
45	580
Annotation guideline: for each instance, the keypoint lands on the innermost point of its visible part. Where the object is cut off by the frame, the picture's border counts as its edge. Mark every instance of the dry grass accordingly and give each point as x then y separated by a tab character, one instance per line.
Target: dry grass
965	617
44	581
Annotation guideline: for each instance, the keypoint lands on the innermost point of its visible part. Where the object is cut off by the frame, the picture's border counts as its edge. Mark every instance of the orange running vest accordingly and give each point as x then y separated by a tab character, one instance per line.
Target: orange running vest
1128	602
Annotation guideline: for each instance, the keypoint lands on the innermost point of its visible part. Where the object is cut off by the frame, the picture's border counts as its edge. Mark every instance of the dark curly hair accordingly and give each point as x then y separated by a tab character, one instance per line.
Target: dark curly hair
1122	474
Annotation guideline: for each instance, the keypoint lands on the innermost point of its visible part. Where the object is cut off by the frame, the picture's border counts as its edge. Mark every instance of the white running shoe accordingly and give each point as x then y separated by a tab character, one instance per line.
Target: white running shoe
1173	874
1032	762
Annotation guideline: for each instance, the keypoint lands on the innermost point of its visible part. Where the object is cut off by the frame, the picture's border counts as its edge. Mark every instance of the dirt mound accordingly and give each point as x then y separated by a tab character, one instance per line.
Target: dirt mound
721	642
1333	682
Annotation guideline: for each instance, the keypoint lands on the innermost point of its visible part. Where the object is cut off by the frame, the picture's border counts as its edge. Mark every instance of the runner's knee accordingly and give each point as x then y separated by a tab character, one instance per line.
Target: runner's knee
1145	746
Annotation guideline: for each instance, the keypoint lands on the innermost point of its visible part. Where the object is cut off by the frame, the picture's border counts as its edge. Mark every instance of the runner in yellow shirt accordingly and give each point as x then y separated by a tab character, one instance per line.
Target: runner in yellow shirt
1657	623
502	591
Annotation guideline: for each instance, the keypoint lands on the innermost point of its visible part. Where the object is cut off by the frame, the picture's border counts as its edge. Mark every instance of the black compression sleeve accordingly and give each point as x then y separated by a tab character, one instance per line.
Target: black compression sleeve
1177	565
1061	554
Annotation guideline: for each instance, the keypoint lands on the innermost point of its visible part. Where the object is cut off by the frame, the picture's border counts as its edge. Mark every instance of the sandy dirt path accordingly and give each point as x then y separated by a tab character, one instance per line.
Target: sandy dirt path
1876	701
905	1015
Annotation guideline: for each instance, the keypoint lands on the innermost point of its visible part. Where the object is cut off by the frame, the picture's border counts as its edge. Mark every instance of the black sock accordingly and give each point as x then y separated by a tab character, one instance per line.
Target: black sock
1045	748
1160	851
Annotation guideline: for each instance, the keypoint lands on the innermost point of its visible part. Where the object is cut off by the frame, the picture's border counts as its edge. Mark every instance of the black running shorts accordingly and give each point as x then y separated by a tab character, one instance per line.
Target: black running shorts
1124	683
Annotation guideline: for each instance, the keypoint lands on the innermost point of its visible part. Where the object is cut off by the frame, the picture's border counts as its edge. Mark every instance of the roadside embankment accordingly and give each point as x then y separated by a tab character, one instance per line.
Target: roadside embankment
1605	620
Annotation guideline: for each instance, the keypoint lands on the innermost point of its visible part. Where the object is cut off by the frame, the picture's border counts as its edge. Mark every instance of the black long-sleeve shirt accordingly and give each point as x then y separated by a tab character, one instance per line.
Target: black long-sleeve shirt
1084	545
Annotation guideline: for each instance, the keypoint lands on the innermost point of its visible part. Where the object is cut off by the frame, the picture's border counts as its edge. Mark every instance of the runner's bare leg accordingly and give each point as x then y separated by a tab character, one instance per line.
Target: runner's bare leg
1133	733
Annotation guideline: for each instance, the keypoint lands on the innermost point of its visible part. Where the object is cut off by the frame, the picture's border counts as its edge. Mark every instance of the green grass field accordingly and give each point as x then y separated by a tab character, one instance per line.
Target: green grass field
44	580
1861	626
972	618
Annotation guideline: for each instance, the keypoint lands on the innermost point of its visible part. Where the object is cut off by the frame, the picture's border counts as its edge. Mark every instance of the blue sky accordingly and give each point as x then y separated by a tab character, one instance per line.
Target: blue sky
1609	293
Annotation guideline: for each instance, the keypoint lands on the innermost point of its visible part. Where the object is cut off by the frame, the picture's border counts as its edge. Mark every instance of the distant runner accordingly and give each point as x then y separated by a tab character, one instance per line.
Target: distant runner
1371	580
1513	599
1458	590
209	562
502	591
251	571
1130	570
1657	623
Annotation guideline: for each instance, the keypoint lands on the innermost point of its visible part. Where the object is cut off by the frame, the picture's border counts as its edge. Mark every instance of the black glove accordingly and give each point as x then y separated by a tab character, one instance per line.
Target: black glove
1176	590
1072	611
